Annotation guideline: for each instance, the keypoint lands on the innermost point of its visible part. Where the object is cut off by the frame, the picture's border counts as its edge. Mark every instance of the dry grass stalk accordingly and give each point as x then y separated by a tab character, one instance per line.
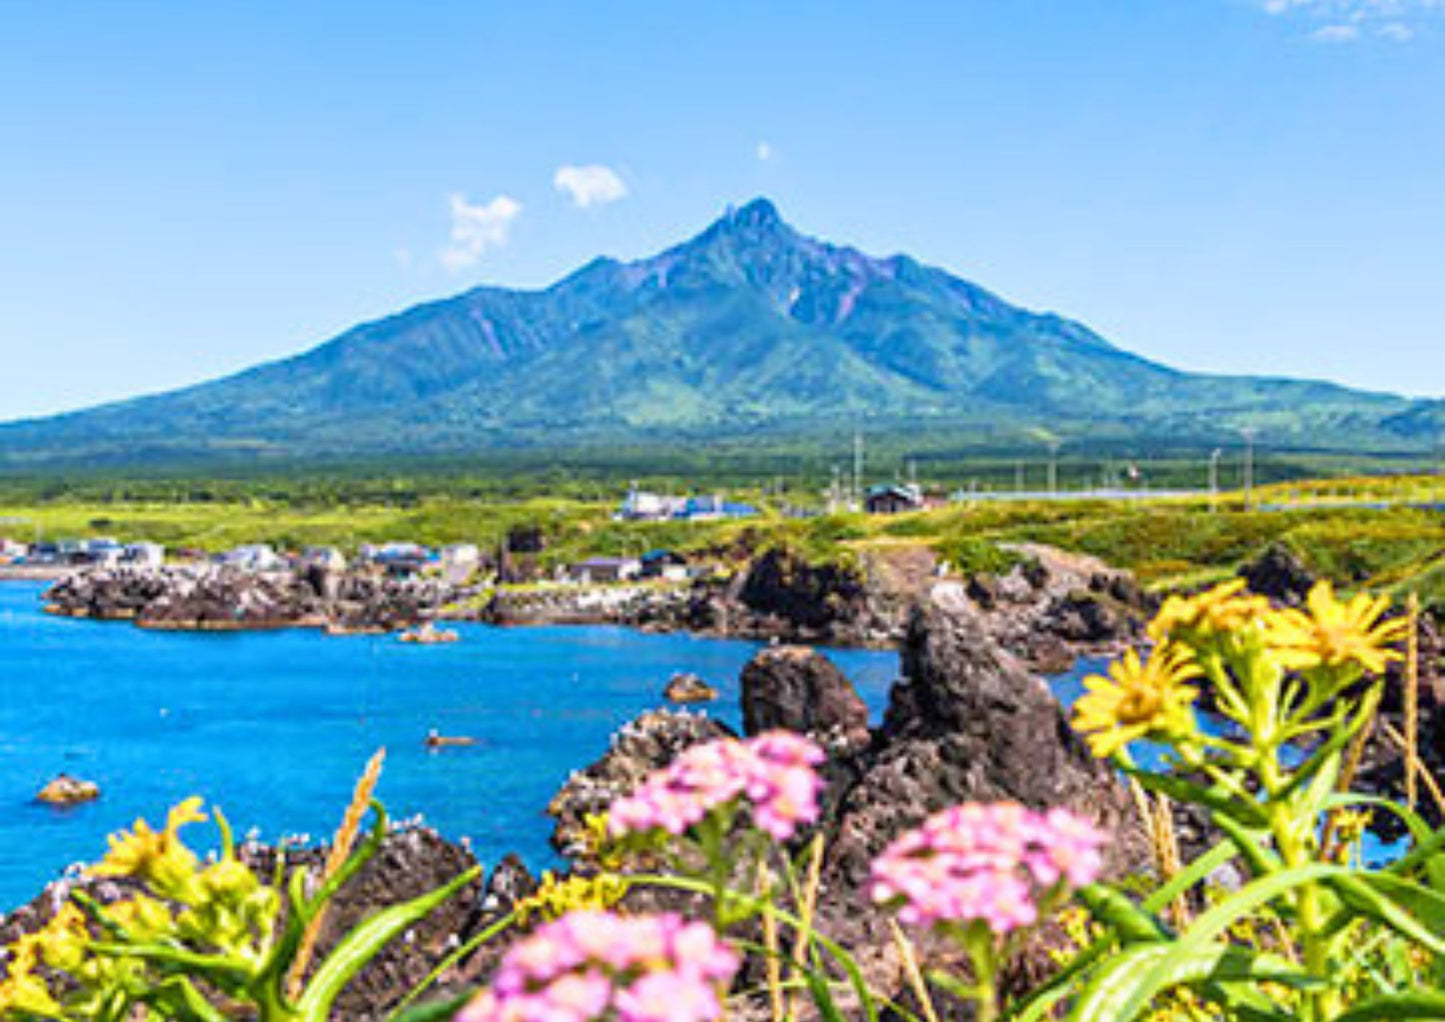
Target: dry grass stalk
1412	703
1431	785
806	911
777	1003
912	971
1166	850
341	847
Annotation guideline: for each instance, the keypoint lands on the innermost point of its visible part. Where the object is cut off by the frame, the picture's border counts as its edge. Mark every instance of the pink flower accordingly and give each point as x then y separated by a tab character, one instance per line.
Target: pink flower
774	772
986	863
589	966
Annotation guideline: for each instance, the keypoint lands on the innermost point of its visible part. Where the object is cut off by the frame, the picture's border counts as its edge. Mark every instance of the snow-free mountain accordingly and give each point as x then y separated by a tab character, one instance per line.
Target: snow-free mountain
751	326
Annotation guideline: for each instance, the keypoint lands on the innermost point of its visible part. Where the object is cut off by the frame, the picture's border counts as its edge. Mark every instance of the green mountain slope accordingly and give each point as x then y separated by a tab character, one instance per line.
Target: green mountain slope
750	326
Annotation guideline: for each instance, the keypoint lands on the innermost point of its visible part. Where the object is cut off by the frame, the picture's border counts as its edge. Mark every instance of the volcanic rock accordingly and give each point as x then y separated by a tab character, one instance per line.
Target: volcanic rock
799	689
1280	575
65	790
643	745
686	687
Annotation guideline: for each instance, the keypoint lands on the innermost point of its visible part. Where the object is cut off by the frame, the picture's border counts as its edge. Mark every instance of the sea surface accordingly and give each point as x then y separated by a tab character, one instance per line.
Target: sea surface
274	727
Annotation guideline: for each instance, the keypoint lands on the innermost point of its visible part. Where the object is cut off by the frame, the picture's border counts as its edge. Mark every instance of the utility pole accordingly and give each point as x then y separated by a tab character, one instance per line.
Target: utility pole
858	471
1214	478
1249	434
1053	467
1019	477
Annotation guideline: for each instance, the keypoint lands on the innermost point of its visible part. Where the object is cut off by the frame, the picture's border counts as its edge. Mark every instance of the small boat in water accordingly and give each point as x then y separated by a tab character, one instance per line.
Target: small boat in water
436	740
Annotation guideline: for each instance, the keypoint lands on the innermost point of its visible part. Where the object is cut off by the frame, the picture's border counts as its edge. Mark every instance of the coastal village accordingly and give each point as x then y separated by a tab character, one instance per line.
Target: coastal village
456	562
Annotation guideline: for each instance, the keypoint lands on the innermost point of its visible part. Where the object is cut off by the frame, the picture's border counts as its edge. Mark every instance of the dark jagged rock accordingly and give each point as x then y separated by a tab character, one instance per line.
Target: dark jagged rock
686	687
643	745
799	689
1054	605
803	598
211	598
1280	575
968	722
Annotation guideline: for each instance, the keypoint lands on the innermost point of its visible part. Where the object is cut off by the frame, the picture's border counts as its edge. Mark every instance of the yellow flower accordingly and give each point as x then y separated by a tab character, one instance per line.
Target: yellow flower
1335	634
62	943
143	919
1224	610
1137	699
159	858
22	993
555	898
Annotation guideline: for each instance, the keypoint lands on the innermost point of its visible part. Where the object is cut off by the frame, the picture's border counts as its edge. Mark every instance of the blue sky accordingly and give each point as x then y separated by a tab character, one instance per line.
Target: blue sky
1231	185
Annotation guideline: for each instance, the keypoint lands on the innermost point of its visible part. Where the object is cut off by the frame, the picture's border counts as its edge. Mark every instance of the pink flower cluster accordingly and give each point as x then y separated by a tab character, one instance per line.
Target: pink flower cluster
986	863
775	772
595	965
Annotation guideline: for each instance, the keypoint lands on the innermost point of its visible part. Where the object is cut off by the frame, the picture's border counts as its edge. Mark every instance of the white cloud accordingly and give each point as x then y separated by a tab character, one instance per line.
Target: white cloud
475	229
592	185
765	151
1338	21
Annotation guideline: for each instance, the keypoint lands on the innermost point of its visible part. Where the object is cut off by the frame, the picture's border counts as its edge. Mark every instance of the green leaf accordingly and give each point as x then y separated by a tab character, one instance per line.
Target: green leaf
1148	977
1340	737
1195	873
1378	901
1128	920
823	999
365	942
1415	1005
1252	846
1122	990
1215	797
436	1011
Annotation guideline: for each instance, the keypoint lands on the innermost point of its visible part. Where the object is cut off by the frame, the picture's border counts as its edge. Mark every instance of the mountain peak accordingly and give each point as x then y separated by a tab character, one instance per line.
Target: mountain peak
760	212
758	217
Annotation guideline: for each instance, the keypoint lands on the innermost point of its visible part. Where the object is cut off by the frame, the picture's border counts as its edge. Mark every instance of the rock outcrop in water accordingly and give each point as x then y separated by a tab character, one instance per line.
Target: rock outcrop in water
210	598
799	689
643	745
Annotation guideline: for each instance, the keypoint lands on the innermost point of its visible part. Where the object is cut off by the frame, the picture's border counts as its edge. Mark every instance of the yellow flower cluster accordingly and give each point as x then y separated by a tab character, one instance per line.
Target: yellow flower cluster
555	898
1226	611
160	859
60	945
1153	698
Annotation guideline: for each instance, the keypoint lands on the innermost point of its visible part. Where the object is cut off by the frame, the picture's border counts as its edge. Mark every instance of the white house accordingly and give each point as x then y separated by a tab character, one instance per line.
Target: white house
461	555
12	550
258	557
104	552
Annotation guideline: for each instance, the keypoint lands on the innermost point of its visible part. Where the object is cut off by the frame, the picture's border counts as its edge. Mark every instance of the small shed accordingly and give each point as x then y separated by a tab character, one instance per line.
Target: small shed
894	498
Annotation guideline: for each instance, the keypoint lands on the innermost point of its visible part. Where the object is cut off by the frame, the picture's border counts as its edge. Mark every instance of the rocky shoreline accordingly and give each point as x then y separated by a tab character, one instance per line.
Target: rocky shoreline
1047	610
224	599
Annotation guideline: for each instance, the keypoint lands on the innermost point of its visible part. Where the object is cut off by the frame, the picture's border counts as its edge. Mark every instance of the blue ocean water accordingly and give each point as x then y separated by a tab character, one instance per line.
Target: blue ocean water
274	727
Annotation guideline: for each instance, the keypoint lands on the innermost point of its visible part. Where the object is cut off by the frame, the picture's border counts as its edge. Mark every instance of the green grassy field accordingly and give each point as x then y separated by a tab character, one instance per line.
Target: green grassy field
1167	543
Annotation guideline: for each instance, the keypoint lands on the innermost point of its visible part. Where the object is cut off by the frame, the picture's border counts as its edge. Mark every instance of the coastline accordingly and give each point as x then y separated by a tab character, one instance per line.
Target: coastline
34	573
